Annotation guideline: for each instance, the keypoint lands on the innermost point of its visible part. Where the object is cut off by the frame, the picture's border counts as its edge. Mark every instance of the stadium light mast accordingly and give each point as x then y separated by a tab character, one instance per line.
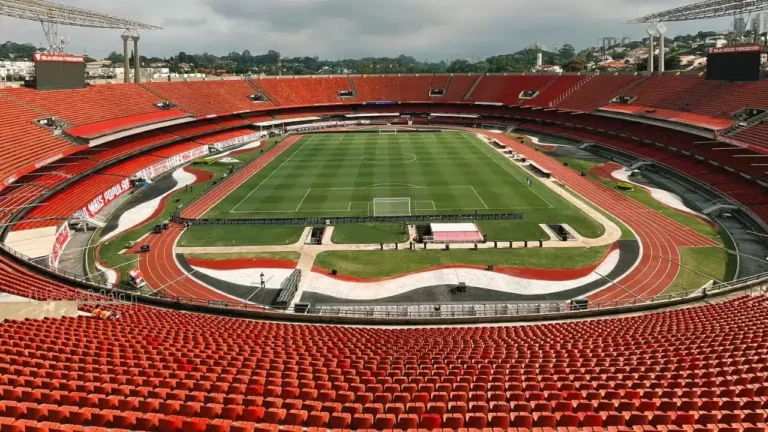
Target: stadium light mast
651	31
662	30
703	10
50	15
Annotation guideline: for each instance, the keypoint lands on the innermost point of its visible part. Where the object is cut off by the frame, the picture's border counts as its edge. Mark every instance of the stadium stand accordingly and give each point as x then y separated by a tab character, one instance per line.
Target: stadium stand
305	91
458	86
232	121
508	89
174	149
597	92
697	95
754	135
408	88
259	118
557	87
666	91
25	144
699	368
197	128
693	369
89	105
209	98
223	136
125	146
129	167
54	174
15	196
64	204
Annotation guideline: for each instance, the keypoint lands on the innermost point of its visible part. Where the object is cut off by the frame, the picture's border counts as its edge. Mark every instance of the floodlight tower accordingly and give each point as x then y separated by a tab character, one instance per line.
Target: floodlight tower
662	29
651	30
136	58
126	63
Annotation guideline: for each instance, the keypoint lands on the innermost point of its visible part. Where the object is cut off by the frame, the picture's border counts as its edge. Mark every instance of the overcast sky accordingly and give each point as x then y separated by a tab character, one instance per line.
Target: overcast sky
332	29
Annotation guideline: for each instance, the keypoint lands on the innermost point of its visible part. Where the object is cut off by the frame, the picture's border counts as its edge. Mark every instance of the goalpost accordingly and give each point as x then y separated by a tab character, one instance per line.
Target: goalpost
383	131
391	206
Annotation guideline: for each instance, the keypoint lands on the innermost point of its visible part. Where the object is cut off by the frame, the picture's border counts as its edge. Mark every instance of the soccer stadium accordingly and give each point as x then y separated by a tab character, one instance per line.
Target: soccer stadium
456	251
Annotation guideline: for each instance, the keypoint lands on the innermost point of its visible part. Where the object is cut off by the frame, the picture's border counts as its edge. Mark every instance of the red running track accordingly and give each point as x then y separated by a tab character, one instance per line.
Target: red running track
200	207
659	235
161	270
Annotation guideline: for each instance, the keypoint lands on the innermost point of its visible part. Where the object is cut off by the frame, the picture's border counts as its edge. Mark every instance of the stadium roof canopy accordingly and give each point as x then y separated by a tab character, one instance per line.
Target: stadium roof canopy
704	10
55	13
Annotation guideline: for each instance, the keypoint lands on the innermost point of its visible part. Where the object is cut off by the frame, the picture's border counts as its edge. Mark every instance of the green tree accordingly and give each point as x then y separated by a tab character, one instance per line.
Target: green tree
115	57
567	52
575	64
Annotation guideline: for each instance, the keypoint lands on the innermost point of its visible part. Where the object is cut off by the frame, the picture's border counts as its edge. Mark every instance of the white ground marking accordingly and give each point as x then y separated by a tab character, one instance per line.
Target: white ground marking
663	196
478	197
322	284
506	168
271	174
140	213
302	200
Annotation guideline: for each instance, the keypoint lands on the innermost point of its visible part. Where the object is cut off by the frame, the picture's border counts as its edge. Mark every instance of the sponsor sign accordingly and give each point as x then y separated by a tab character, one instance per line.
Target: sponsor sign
62	58
60	242
221	145
97	204
160	168
736	49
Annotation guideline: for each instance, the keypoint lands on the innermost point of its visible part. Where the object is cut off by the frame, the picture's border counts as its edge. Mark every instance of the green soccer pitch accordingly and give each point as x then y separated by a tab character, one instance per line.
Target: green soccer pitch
362	174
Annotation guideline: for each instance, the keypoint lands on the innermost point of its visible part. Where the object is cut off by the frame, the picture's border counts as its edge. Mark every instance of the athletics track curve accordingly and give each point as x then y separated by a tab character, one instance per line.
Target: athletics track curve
659	236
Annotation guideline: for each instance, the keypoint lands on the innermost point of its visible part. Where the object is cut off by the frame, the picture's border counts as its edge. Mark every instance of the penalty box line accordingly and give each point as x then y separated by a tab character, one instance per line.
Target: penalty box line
271	174
506	168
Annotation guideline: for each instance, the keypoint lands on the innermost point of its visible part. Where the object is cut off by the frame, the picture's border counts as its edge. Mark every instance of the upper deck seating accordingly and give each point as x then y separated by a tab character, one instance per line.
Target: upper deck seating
458	88
408	88
508	89
24	142
90	105
207	98
597	92
300	91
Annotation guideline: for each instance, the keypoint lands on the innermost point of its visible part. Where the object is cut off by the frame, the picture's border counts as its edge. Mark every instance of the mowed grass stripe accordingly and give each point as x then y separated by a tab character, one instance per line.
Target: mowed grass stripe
327	174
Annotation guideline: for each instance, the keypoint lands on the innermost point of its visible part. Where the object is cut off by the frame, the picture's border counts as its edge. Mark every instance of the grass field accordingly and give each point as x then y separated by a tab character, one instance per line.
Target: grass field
240	235
431	173
700	266
288	256
379	264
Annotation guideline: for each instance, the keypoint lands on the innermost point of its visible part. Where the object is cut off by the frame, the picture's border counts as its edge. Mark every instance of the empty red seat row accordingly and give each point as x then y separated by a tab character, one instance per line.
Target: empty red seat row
89	105
205	98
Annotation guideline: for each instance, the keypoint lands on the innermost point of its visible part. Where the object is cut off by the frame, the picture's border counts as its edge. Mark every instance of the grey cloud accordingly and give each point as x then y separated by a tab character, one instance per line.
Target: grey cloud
184	22
434	29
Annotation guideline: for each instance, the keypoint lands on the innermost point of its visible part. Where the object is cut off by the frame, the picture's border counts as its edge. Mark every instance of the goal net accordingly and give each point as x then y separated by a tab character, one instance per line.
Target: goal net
391	206
387	131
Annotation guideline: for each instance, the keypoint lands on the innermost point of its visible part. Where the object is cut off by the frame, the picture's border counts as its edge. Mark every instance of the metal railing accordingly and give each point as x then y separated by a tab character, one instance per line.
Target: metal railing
92	292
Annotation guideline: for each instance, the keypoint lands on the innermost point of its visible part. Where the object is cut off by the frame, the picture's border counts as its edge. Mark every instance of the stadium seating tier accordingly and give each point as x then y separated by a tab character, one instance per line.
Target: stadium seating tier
94	104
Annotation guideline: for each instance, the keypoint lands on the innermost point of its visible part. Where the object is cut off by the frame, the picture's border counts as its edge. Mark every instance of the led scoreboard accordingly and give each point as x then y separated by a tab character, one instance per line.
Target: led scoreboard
59	71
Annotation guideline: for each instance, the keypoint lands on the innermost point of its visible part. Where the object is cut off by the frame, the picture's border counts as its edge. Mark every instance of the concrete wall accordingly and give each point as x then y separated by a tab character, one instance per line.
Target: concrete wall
37	310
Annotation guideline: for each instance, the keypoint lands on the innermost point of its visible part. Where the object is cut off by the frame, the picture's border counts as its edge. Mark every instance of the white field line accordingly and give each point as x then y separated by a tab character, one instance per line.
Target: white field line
478	197
370	202
506	168
271	174
302	200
